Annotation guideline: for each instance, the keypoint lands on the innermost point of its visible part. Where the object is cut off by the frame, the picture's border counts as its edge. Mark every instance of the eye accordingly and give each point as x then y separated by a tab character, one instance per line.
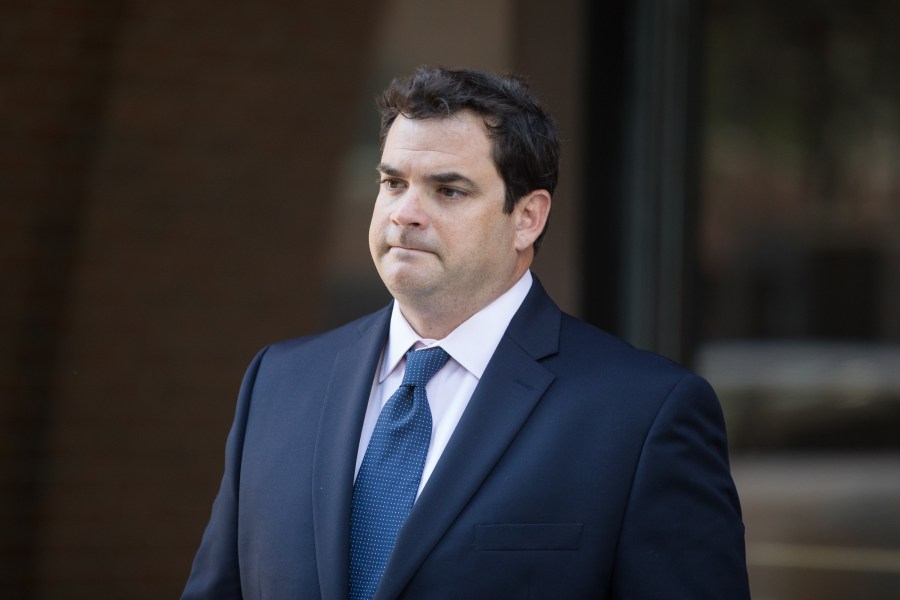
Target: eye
451	193
391	184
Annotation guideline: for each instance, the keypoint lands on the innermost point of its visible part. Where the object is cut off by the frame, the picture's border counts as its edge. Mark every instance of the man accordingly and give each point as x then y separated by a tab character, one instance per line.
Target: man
552	460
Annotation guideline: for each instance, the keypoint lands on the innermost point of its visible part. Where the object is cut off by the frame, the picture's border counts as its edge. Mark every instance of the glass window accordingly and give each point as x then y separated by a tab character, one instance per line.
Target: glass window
800	229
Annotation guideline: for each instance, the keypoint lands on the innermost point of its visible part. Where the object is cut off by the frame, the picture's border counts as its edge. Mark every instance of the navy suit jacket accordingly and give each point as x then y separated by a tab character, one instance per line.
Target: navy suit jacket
582	468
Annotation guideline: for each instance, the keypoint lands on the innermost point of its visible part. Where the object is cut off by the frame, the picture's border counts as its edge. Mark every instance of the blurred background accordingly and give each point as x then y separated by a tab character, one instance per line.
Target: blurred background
182	182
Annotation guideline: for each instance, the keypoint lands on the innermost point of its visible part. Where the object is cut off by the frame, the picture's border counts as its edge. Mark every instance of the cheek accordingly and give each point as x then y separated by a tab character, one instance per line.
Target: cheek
378	222
376	239
500	234
488	241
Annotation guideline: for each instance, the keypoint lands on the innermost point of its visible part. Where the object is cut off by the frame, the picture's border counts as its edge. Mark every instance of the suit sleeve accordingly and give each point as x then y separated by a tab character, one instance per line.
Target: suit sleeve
682	535
216	569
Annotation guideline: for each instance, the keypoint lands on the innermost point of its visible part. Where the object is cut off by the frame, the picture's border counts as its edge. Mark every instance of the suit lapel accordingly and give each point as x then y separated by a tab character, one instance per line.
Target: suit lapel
505	397
336	446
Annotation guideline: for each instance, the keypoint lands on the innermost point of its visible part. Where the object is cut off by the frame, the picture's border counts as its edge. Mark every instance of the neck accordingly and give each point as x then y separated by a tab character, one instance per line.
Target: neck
436	320
432	325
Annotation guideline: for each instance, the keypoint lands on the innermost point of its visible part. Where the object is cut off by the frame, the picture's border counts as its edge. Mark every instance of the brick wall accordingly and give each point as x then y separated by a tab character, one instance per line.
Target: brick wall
166	176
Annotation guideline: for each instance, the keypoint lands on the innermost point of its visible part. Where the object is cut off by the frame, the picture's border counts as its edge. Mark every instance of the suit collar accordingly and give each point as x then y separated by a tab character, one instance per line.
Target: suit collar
535	326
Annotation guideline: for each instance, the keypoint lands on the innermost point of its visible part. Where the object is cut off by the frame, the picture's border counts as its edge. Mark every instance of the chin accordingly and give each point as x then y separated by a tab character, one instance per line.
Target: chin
405	284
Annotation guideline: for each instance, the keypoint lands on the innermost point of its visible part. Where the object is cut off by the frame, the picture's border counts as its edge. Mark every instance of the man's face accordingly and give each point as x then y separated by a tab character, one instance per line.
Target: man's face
439	237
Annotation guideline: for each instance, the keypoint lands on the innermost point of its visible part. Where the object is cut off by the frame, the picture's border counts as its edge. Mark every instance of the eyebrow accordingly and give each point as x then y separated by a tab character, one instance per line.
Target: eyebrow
445	178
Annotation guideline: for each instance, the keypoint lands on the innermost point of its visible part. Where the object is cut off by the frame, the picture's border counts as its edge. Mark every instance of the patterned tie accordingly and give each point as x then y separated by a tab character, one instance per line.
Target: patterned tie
391	470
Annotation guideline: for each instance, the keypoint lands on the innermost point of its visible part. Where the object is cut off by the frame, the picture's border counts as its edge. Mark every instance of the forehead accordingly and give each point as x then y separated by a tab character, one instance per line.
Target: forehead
461	136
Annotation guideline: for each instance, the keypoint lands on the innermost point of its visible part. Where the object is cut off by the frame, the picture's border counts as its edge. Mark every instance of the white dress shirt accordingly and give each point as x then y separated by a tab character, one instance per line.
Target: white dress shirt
470	346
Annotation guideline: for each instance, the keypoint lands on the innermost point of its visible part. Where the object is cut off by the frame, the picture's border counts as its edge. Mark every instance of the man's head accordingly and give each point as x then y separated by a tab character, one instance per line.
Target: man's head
468	165
525	143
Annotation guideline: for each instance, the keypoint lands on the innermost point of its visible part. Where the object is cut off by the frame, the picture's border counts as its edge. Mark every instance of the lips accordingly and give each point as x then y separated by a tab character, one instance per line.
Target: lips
409	249
408	245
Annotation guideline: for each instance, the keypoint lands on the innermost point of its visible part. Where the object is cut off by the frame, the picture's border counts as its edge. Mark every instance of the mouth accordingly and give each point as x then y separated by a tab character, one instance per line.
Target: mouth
406	249
403	246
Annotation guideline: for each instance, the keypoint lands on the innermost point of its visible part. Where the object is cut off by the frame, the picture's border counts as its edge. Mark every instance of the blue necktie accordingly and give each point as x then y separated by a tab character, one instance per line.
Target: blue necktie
391	470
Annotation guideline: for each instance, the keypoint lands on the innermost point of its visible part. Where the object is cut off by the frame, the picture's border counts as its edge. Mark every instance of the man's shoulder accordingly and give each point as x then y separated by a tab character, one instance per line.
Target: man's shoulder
595	366
598	347
581	349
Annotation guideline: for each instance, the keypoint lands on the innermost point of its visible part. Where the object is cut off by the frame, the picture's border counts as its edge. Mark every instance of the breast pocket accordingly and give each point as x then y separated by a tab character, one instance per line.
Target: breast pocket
528	536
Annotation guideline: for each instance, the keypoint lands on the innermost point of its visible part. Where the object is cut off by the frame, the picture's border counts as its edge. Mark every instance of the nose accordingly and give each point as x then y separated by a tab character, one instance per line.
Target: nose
408	210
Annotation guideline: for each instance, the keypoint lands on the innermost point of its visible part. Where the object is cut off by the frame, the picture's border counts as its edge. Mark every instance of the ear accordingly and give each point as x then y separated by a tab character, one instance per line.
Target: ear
531	213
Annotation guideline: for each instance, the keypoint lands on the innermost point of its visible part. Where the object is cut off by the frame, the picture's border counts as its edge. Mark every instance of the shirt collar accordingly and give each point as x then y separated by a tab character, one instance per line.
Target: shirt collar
471	344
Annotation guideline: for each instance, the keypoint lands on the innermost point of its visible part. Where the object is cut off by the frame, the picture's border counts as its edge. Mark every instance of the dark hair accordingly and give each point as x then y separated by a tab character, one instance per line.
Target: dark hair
525	141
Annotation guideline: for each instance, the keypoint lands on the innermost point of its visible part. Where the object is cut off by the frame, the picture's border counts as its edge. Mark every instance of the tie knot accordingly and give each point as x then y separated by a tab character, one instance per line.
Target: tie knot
421	365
